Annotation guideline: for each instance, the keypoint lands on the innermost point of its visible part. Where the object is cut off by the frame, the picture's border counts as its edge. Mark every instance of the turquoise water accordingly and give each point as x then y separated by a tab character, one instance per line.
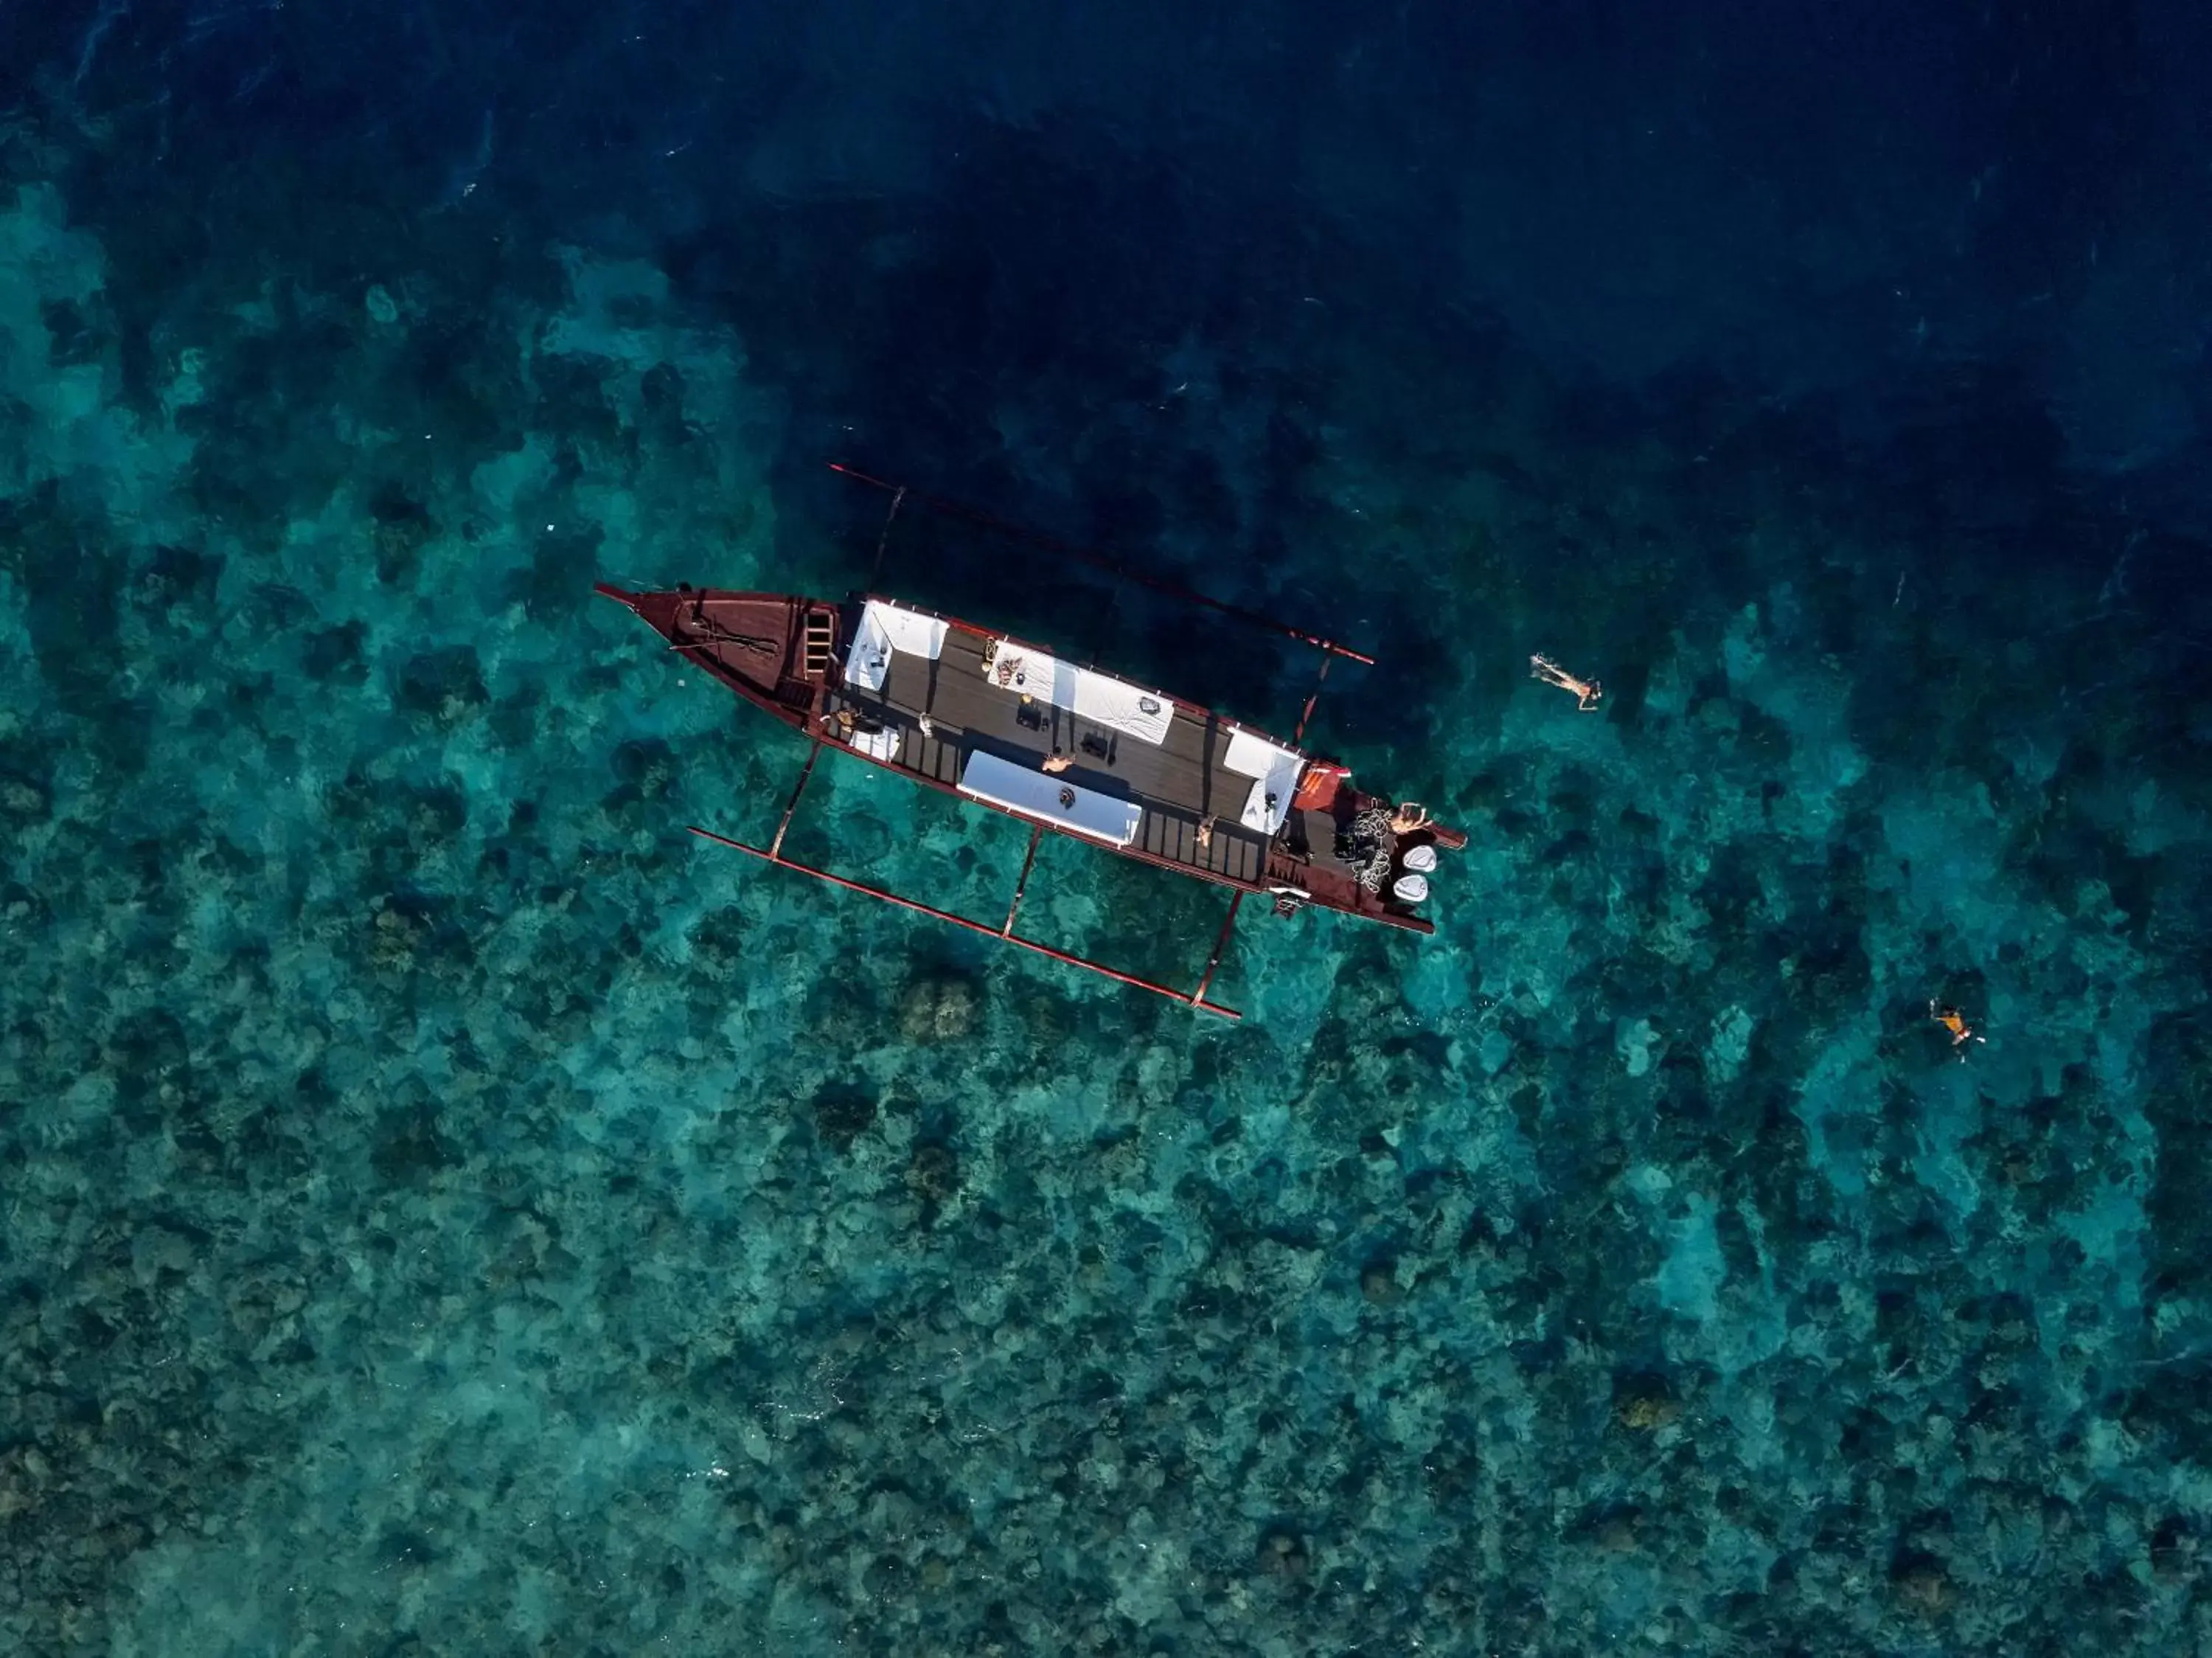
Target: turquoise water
448	1208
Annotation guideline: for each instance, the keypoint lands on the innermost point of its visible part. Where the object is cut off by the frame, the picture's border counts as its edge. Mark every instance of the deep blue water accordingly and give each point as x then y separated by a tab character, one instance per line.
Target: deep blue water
445	1208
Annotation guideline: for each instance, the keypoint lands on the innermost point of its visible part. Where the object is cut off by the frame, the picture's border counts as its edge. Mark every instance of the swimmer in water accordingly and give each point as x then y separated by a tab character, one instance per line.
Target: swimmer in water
1955	1022
1587	691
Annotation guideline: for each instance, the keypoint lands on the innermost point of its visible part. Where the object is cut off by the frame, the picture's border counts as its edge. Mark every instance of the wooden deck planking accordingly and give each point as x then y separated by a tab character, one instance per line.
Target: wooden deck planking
1178	782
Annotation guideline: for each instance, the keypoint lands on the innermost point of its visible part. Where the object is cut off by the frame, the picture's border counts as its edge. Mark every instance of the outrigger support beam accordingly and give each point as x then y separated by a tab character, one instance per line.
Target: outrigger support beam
1029	861
1114	567
813	753
1312	699
884	541
1006	935
1220	943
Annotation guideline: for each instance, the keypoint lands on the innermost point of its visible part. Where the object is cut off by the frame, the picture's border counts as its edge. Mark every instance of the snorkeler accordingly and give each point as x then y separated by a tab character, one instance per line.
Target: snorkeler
1587	691
1955	1022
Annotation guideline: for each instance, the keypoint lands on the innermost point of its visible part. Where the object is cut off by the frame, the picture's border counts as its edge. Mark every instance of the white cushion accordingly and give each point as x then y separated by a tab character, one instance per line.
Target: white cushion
1124	707
882	745
1276	768
884	628
1099	698
1036	794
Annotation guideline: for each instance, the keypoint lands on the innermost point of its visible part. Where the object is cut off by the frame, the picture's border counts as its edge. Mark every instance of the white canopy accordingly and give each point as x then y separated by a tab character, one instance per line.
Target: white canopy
1275	770
1054	800
886	627
1097	697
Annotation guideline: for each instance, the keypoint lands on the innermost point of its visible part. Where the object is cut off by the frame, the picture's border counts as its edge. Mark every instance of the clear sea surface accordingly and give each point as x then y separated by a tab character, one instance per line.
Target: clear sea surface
446	1208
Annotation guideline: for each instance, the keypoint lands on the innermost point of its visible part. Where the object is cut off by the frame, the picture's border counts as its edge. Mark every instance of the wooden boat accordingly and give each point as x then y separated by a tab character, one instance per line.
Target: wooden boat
975	713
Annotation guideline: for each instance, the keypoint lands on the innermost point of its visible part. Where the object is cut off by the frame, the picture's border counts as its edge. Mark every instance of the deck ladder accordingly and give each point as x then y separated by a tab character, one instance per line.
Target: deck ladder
820	628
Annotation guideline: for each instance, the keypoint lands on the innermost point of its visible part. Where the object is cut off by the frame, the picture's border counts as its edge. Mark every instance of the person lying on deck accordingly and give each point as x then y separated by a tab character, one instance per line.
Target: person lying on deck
1371	845
848	722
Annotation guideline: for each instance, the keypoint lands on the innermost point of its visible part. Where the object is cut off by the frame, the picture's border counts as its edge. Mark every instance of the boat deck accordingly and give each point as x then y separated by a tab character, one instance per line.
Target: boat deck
1178	782
789	655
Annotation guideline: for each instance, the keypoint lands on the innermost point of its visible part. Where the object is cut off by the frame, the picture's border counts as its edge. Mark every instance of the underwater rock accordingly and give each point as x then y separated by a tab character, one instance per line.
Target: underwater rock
1283	1554
1619	1530
23	1479
843	1113
1645	1404
933	1174
442	687
404	527
939	1008
23	801
394	936
257	1301
717	944
1920	1582
410	1145
1378	1282
648	770
383	309
2173	1552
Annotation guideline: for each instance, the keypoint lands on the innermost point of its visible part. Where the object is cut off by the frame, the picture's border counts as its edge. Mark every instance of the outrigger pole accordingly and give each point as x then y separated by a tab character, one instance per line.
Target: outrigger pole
773	853
1113	567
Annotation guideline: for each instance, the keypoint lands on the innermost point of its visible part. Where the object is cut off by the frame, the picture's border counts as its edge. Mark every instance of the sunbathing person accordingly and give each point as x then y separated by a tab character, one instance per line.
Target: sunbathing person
1587	691
1370	845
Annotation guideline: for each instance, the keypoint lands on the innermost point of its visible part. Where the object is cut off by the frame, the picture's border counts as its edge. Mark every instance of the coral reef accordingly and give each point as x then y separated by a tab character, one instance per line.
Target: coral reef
446	1208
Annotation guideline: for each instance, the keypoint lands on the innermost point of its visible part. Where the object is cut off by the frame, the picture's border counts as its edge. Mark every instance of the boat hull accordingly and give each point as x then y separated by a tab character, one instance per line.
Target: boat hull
1164	771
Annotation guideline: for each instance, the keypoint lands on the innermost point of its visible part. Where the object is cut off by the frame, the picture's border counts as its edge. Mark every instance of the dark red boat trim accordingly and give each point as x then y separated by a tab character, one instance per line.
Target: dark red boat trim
1194	999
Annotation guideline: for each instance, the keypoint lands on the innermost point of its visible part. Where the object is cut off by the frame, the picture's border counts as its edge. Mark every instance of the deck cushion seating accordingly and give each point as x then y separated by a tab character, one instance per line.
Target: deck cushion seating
1274	769
1099	698
1054	800
882	744
1126	708
884	628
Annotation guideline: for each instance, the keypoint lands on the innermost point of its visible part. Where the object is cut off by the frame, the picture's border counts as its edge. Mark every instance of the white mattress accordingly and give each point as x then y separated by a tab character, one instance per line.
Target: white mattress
878	745
1034	794
1274	769
884	628
1126	708
1098	697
